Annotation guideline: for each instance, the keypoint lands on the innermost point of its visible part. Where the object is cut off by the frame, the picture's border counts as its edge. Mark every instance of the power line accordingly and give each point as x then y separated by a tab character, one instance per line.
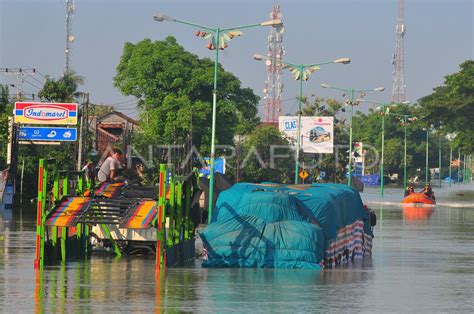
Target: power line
24	79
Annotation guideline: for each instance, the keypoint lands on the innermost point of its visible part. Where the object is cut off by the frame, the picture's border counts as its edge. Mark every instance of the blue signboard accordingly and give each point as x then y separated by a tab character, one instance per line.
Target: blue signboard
47	134
219	166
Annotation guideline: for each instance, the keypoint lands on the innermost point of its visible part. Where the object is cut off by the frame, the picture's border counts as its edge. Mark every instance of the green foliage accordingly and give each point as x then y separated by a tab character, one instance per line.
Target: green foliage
451	106
5	112
258	162
62	90
174	91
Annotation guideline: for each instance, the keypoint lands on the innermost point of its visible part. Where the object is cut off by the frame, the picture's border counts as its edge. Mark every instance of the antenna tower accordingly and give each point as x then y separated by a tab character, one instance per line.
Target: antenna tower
398	60
69	36
273	85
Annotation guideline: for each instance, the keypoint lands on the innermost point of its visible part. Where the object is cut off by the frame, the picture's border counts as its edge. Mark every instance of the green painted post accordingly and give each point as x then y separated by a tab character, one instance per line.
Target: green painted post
54	229
349	180
213	135
426	166
172	209
179	212
160	232
464	173
382	159
187	220
112	240
64	229
44	202
38	264
450	161
405	120
298	146
439	162
459	166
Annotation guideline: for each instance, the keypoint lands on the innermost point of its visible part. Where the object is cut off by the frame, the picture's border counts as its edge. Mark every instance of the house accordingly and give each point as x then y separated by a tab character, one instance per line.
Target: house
113	129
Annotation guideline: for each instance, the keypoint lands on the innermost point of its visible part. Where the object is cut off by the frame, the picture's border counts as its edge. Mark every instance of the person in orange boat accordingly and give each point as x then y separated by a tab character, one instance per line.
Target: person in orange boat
409	190
428	191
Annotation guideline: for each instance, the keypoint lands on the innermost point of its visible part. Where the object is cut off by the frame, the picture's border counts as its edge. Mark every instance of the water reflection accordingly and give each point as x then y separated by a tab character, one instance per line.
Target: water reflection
422	261
413	212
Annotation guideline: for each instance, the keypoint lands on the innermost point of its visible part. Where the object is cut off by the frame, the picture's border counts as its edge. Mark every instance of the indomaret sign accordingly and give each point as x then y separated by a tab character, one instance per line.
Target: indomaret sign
45	113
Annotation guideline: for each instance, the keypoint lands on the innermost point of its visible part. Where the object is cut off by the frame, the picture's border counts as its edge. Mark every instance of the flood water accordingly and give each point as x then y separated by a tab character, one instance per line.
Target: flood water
423	261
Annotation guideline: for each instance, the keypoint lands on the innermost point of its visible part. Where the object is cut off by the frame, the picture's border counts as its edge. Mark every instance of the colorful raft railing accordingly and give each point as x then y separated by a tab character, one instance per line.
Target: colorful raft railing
64	231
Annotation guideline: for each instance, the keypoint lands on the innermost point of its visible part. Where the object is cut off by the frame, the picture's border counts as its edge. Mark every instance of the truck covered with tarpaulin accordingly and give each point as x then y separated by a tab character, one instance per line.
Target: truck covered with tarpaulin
287	226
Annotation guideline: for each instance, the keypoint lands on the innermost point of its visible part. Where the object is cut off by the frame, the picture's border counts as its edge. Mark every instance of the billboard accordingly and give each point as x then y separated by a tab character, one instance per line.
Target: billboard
45	113
317	133
47	134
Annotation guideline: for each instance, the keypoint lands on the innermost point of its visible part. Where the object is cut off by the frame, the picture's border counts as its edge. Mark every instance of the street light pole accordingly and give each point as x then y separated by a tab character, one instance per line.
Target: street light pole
427	145
218	44
450	161
352	92
439	163
405	121
301	72
298	146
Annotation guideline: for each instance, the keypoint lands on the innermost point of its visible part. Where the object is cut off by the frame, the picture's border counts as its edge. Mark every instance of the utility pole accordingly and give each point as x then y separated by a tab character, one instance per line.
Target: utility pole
83	130
18	74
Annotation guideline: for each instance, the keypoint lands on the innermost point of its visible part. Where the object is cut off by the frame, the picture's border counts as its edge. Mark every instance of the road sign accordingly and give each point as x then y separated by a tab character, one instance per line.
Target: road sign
45	113
47	134
304	174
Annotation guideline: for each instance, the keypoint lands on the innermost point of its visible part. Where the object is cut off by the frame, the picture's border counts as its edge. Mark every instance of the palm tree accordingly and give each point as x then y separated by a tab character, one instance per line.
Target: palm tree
62	90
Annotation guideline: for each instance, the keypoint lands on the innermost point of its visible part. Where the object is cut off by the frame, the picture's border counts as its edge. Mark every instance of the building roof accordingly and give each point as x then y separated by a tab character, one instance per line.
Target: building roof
120	114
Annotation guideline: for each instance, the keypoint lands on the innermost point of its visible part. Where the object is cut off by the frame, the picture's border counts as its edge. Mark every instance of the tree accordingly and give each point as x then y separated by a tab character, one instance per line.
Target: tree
62	90
260	162
5	112
174	92
451	106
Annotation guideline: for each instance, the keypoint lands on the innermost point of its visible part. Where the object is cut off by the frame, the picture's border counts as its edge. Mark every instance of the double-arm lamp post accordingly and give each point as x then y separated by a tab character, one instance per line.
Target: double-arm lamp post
300	72
351	101
218	38
384	110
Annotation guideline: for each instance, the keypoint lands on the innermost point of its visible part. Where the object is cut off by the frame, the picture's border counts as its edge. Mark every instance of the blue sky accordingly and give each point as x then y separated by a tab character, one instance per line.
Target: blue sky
439	37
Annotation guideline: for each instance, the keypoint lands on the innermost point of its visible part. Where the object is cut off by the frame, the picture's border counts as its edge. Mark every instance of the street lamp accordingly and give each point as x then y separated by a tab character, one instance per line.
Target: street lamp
300	72
218	38
384	110
352	102
405	119
427	150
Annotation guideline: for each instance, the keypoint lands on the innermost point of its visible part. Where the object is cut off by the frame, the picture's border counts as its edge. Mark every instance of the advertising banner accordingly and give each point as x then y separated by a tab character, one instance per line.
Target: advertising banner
317	133
45	113
47	134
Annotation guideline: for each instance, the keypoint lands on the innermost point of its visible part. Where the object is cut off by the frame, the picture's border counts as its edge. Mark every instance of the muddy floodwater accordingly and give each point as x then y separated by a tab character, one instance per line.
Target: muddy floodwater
423	261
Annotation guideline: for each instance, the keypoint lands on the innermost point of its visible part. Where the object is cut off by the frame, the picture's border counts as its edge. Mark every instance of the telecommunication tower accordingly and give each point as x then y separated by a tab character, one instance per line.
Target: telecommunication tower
273	85
398	60
69	36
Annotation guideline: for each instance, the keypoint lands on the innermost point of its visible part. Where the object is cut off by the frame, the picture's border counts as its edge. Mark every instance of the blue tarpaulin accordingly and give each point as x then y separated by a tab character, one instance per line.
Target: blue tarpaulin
281	226
370	179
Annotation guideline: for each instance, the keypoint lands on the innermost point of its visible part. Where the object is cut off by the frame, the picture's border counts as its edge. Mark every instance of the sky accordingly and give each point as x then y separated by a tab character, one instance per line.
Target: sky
439	37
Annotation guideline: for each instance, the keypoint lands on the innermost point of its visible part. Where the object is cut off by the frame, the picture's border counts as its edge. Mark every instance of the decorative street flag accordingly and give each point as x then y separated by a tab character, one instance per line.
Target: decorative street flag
45	113
317	133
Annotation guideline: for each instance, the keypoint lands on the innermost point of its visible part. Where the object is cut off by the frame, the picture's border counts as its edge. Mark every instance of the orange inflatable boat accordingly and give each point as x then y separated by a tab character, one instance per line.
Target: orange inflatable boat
418	198
413	212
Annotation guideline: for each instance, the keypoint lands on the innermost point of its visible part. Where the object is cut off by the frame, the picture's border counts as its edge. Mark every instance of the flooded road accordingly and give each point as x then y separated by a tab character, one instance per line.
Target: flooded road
423	260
